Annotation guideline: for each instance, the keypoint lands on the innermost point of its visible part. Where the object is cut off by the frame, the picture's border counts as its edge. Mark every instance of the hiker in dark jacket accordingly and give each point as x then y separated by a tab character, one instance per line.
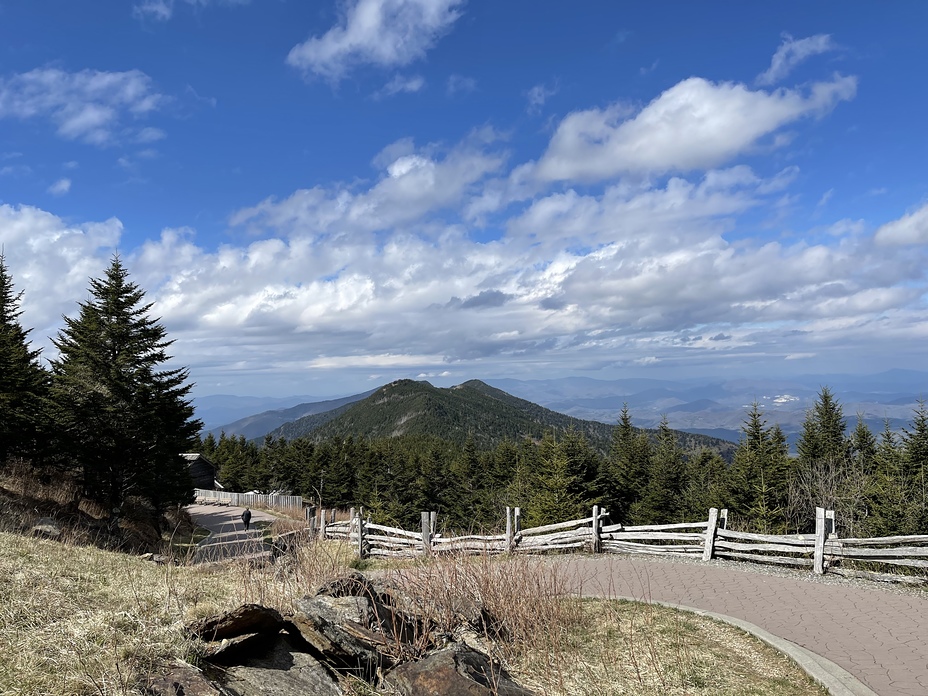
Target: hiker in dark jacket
246	518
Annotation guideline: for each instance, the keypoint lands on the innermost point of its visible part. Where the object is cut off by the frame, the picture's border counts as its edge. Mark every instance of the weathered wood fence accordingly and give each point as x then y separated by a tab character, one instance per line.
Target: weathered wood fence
821	551
282	502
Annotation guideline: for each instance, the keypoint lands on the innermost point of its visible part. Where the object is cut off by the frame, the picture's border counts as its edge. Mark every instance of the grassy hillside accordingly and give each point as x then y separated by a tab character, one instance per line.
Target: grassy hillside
79	621
472	409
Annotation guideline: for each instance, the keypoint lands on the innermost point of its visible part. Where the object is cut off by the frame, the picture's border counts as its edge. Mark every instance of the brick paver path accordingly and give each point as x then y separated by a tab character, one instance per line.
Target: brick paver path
879	636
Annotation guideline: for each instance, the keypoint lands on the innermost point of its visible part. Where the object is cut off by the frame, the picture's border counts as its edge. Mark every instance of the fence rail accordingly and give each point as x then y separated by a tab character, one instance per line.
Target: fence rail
283	502
821	552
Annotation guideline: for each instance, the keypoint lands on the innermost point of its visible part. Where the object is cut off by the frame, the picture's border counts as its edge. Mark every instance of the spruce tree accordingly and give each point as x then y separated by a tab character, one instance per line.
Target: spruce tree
22	379
123	419
662	499
624	475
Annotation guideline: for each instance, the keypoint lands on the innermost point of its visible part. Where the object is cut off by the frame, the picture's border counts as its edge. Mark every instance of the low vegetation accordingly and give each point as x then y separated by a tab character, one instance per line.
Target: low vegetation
78	620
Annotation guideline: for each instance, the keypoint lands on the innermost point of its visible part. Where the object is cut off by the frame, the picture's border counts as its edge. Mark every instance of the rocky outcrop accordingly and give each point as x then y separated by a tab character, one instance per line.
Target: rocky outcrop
351	628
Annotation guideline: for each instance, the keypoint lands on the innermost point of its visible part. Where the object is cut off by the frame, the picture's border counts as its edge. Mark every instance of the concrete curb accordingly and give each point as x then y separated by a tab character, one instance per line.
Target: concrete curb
835	678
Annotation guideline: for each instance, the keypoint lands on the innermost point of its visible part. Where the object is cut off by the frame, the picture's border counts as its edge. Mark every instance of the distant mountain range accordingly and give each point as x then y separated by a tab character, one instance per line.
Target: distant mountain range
259	424
711	407
717	407
471	410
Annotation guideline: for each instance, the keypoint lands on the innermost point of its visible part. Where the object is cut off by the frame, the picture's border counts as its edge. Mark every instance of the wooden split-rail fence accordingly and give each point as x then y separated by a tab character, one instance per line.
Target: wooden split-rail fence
821	551
258	500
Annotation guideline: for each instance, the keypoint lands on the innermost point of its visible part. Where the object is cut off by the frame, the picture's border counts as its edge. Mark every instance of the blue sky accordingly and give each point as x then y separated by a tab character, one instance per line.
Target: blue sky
321	197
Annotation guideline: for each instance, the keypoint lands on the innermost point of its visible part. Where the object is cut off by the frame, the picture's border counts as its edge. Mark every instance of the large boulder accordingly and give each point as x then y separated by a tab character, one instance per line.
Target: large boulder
338	628
246	619
181	679
281	671
454	671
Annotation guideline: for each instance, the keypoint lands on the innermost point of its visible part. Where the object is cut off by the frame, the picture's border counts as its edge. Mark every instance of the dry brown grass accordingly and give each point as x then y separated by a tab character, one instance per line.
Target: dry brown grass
78	621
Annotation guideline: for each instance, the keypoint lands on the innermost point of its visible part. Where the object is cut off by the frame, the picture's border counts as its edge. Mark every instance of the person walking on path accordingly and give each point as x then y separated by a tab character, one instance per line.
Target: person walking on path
246	518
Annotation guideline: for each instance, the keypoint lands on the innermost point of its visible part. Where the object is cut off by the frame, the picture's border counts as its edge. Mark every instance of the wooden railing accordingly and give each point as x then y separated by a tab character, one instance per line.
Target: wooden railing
259	500
821	552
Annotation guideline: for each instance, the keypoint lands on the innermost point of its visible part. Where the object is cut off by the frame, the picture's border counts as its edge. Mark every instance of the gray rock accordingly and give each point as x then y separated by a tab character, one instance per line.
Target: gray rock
338	628
181	679
282	671
46	527
454	671
248	618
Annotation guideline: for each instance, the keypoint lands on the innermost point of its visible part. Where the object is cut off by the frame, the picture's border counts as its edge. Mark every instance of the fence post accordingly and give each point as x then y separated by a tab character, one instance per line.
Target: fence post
709	546
322	523
818	559
596	537
723	518
426	534
433	522
516	527
360	536
508	527
830	529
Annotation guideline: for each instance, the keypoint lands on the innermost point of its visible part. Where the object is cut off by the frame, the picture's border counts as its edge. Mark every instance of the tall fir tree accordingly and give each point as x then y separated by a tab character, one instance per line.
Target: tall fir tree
624	475
662	499
758	479
122	418
23	381
556	497
915	459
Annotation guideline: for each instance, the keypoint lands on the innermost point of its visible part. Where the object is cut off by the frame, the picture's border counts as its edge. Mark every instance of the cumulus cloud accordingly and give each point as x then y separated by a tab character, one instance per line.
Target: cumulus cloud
459	84
163	10
60	187
696	124
390	276
911	228
52	260
413	184
538	95
401	84
90	105
791	53
385	33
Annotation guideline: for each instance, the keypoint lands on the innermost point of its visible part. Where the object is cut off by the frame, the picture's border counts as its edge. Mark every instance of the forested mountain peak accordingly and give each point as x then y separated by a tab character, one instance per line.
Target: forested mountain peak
472	411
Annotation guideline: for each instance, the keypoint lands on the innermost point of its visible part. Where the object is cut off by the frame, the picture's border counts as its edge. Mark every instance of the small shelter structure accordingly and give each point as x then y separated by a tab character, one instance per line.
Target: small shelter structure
202	471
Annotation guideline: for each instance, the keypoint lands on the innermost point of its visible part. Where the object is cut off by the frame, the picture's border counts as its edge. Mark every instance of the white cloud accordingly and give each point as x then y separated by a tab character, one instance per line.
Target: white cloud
401	84
385	33
163	10
696	124
459	84
538	95
90	105
150	135
60	187
791	53
413	184
52	260
907	230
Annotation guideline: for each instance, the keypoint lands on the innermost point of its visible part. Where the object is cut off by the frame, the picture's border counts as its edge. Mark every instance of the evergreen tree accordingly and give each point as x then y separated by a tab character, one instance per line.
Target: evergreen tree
556	497
825	473
662	499
623	477
705	486
757	482
22	380
123	420
915	459
890	492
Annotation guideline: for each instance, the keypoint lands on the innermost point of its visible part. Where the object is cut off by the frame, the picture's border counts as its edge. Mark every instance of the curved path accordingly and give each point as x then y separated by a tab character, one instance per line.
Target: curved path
227	537
877	634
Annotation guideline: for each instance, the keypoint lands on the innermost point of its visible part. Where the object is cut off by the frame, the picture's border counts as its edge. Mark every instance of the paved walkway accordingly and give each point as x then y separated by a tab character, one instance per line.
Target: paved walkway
878	635
227	538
